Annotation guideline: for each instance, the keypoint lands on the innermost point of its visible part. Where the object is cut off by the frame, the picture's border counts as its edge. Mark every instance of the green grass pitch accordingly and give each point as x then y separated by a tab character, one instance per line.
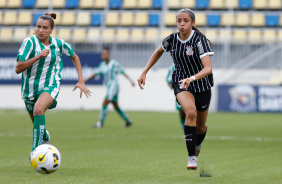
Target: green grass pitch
239	148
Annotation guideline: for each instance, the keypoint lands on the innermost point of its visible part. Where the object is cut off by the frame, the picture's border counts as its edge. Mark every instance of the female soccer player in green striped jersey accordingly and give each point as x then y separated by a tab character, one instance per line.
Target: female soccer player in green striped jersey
40	62
109	68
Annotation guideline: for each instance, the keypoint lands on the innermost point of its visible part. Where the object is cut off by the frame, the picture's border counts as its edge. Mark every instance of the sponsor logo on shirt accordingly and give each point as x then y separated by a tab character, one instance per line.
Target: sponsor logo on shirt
37	53
22	47
165	44
189	50
200	47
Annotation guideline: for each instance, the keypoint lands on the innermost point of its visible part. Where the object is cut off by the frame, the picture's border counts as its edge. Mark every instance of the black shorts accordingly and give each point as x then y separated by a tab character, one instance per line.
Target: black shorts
202	99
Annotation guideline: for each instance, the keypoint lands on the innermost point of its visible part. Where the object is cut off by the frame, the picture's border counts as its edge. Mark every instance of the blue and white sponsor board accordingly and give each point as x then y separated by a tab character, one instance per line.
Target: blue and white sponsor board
89	62
249	98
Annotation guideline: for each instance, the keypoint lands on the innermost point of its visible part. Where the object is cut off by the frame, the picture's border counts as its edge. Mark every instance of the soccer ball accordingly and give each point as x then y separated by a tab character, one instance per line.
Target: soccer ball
45	159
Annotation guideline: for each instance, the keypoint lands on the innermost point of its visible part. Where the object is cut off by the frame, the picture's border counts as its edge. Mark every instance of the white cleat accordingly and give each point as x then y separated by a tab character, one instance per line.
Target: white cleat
47	142
198	149
192	164
98	125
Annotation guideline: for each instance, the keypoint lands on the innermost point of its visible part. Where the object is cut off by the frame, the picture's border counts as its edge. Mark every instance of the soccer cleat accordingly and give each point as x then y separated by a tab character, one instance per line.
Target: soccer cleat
198	149
98	125
128	124
192	164
47	142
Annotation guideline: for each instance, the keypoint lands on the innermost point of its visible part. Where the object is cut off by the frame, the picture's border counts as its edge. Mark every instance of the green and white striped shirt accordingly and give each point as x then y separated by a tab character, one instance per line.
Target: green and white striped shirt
109	72
45	72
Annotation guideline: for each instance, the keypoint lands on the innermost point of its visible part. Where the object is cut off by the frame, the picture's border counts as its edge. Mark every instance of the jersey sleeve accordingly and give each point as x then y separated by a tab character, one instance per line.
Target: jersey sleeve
169	74
119	68
204	47
25	50
67	49
166	44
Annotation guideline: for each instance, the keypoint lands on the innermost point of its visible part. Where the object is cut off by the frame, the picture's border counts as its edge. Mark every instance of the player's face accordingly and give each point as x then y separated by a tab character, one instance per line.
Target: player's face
43	29
105	55
184	23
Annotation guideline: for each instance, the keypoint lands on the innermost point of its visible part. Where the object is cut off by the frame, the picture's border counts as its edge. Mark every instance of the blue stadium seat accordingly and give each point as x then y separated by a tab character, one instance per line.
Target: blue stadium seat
96	19
202	4
35	17
28	3
272	20
245	4
157	4
72	3
153	20
213	20
115	4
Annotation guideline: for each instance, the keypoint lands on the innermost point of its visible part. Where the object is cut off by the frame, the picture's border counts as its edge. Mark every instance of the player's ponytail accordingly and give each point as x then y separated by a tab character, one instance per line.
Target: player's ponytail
53	15
50	17
192	15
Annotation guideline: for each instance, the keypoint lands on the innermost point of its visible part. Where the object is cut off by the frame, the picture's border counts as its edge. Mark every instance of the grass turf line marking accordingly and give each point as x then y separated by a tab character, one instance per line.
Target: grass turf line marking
224	138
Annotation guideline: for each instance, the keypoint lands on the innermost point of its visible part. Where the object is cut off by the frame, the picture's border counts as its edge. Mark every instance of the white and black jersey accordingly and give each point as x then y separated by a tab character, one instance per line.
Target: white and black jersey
187	56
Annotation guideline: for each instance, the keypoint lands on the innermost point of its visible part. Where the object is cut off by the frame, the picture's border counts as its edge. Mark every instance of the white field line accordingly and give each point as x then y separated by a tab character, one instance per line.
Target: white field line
223	138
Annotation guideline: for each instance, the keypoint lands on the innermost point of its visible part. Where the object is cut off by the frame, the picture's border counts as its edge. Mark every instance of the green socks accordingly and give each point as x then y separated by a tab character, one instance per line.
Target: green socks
122	114
103	114
38	130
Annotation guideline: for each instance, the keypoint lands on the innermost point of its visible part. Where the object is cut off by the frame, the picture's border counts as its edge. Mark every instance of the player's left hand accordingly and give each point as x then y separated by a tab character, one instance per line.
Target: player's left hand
185	83
132	83
83	89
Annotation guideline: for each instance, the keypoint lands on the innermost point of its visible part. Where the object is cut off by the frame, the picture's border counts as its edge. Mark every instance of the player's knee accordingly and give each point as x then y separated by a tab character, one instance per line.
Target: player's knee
191	114
38	110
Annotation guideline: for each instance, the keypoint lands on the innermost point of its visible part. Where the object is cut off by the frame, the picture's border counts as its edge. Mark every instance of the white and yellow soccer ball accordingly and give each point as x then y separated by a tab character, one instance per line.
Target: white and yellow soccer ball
45	159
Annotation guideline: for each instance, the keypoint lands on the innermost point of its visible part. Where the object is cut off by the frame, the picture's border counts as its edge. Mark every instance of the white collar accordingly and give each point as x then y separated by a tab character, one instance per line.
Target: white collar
190	36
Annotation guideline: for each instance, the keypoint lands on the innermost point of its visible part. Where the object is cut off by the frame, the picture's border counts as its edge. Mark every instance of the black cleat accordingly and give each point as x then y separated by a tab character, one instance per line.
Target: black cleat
128	124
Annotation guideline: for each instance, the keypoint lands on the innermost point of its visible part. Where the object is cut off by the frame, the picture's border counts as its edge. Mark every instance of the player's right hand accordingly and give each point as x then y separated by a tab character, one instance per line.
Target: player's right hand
44	53
141	80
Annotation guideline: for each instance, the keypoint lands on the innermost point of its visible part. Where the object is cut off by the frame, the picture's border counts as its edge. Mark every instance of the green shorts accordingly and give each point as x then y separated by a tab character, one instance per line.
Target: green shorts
29	104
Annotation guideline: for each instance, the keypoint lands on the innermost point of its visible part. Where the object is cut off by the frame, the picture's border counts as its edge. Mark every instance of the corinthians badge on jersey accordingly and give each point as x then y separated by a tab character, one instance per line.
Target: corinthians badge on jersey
189	50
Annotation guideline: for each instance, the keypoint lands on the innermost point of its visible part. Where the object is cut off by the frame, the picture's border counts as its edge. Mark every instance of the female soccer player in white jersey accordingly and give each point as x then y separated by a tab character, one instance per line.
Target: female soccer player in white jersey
109	68
40	62
178	107
192	78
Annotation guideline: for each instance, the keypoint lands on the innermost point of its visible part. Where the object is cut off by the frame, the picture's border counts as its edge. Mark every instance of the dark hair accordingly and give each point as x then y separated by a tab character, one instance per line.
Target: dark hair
192	15
48	16
106	48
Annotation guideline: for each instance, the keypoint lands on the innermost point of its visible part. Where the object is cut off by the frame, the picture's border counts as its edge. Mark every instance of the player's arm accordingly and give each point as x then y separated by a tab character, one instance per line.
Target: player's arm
22	66
154	58
130	80
81	83
91	77
207	70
